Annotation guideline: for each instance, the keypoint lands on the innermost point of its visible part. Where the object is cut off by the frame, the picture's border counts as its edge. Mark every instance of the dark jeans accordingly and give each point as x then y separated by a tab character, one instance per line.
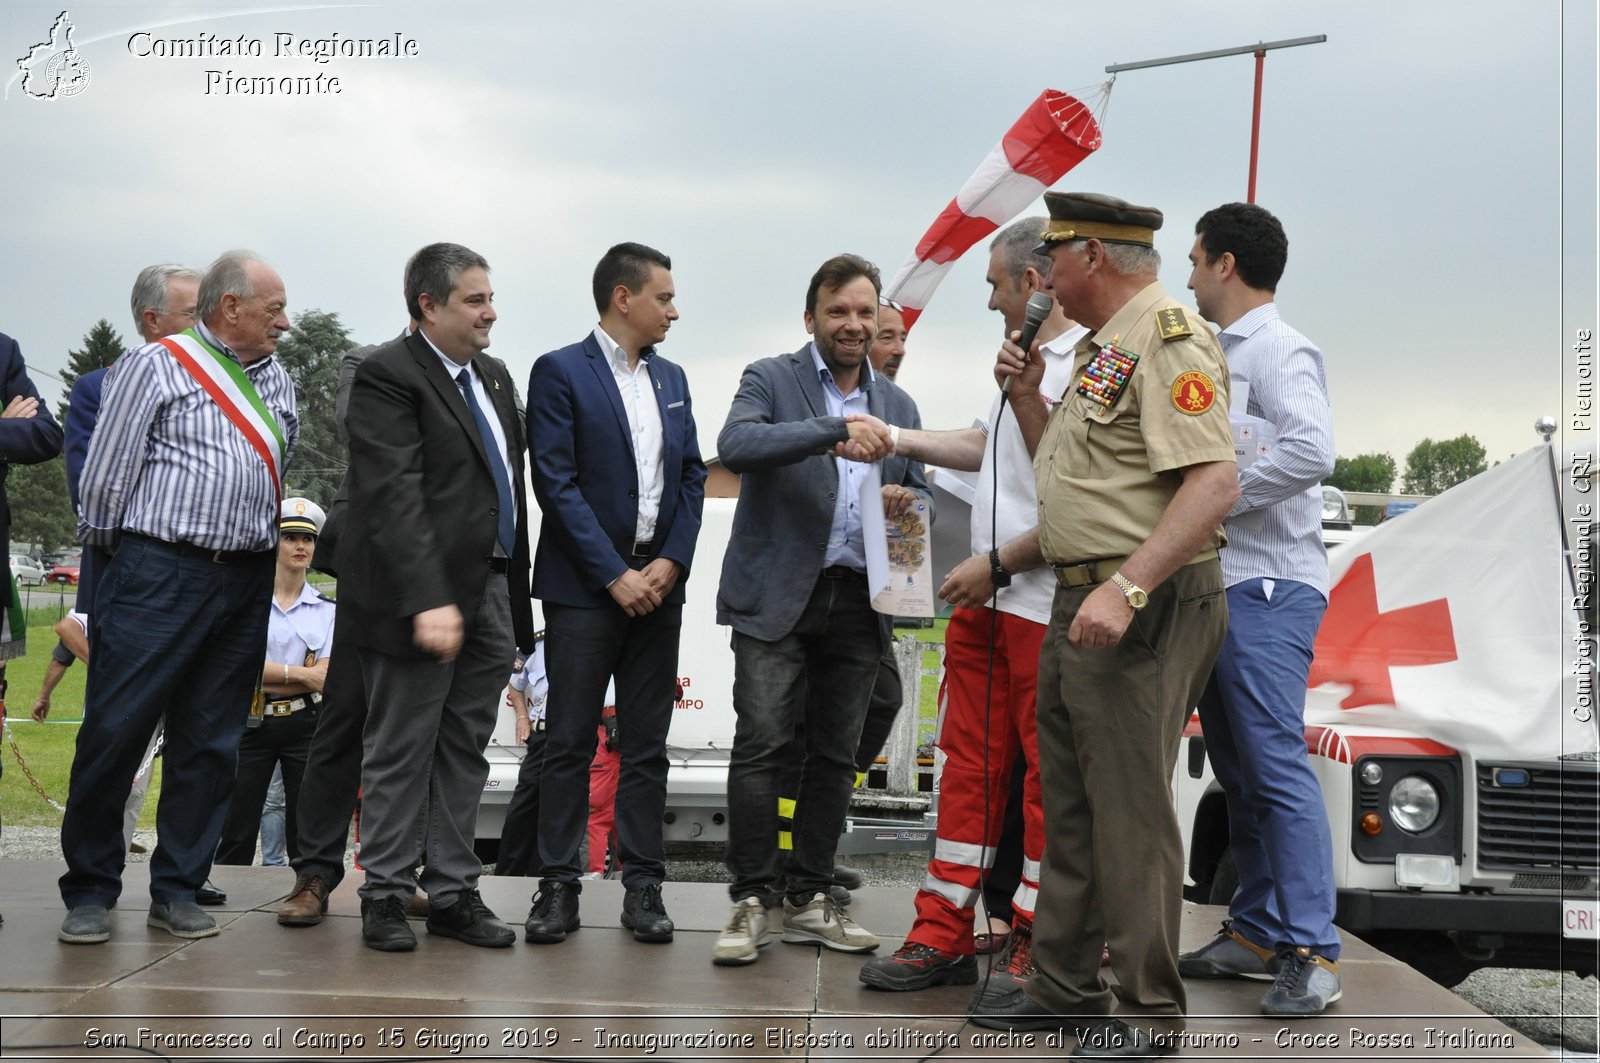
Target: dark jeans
278	740
822	672
519	838
177	634
332	775
583	649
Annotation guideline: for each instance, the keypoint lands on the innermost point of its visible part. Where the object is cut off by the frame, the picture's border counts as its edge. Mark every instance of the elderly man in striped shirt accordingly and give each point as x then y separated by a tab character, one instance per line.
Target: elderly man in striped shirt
1280	924
182	483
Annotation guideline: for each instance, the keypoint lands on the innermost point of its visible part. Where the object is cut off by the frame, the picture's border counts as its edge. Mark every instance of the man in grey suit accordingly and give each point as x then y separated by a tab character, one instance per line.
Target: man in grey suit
437	595
803	431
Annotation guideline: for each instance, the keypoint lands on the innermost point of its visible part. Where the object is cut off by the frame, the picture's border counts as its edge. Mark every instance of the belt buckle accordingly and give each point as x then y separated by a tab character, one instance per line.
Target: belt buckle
1086	568
642	549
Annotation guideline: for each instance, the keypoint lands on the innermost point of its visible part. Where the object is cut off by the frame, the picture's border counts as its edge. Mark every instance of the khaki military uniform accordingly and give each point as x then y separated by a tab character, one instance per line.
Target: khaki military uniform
1110	720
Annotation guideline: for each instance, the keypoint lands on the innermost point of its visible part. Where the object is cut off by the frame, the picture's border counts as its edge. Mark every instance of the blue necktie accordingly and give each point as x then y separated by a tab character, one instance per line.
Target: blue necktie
507	531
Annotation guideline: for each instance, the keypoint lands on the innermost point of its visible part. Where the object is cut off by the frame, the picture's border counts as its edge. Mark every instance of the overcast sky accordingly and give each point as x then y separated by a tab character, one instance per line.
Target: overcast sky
1416	159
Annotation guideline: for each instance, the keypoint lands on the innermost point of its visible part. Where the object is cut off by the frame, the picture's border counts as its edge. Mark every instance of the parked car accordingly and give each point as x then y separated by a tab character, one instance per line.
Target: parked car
26	570
66	570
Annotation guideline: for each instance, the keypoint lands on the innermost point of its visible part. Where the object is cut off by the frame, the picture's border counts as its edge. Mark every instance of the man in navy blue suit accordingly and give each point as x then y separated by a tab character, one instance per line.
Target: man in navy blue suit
617	471
163	303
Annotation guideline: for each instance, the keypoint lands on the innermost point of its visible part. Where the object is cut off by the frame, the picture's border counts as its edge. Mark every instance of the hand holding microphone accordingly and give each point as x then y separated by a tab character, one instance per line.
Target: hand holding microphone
1039	306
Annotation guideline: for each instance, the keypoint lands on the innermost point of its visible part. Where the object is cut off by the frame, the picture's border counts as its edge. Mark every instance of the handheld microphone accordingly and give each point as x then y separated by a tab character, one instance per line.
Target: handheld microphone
1039	305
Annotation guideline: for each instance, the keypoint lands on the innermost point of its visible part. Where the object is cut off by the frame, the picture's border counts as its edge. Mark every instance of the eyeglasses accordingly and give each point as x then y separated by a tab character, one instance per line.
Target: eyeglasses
884	300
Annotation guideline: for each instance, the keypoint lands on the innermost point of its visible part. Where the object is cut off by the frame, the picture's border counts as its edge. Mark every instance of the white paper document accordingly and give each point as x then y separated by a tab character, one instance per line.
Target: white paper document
899	560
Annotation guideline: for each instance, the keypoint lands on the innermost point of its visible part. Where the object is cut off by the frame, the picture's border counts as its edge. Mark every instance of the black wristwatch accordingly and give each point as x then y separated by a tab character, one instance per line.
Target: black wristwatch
997	572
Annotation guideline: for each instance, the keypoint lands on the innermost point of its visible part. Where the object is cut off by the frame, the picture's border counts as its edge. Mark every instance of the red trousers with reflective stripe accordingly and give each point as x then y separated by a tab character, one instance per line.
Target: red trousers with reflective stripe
965	843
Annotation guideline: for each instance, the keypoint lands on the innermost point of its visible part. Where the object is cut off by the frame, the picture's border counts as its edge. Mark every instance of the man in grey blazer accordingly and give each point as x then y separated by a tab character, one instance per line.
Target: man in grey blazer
804	431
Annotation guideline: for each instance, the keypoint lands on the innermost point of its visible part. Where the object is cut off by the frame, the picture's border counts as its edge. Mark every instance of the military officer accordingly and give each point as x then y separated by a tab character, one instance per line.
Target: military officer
1135	471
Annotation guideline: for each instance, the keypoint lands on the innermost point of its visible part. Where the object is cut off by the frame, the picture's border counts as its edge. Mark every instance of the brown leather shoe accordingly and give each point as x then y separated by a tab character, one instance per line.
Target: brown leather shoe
307	904
417	907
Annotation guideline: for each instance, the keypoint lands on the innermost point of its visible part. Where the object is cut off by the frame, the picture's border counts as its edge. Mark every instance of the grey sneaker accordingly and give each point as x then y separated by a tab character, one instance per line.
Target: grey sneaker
744	935
182	919
820	921
87	924
1230	955
1306	985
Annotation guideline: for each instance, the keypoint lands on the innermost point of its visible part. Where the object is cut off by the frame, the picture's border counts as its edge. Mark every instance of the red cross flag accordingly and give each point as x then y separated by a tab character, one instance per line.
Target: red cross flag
1455	622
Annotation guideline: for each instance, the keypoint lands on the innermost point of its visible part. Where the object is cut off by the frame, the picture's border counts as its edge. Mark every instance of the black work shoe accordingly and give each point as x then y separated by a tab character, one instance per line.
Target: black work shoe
383	925
1016	1010
210	894
840	895
1115	1039
918	966
554	914
645	914
848	877
471	921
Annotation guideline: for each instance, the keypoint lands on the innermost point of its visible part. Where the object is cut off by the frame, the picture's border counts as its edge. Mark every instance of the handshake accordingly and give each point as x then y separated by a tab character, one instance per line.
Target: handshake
870	439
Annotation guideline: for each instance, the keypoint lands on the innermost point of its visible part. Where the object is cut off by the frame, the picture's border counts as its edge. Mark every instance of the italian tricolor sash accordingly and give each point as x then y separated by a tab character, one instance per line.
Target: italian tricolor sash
224	380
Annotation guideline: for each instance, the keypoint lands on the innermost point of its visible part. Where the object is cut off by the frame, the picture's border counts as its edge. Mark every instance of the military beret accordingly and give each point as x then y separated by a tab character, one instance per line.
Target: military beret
1082	215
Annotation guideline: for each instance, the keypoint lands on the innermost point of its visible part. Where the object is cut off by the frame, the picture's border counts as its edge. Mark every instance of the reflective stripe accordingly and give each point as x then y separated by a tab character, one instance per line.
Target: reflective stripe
1030	870
958	895
1026	898
785	808
964	853
785	841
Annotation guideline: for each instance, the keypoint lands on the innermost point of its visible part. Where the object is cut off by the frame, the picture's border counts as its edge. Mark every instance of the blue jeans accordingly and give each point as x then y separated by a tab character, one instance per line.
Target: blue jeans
822	672
1253	713
273	811
177	634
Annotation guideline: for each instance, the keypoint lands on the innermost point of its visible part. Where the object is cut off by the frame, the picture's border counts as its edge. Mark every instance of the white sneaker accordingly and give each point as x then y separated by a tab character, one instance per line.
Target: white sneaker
820	921
745	933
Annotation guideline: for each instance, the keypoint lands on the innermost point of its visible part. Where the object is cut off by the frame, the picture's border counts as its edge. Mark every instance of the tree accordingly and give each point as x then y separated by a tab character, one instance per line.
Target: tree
41	512
1364	472
1433	468
102	345
310	353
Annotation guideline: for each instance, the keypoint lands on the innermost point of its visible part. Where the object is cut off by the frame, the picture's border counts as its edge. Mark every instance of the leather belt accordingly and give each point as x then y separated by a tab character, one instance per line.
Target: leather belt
288	706
842	572
1088	573
499	565
205	553
644	549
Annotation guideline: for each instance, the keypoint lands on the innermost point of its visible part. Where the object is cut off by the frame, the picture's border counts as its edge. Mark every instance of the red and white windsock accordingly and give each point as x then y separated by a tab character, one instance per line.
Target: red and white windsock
1054	134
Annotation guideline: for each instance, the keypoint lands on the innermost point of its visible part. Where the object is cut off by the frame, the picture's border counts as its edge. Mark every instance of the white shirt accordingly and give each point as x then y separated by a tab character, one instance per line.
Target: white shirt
1014	510
644	425
489	411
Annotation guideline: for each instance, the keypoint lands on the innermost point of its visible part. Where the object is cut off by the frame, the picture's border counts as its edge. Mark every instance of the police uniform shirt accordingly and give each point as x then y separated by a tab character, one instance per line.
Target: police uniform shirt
1105	474
305	627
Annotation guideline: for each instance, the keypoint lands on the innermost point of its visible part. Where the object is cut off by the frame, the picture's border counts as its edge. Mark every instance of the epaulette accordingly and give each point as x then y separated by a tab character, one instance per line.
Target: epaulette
1173	323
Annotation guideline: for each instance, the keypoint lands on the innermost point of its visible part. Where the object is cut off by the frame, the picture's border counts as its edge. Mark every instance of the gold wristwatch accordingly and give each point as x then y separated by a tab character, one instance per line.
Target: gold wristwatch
1136	596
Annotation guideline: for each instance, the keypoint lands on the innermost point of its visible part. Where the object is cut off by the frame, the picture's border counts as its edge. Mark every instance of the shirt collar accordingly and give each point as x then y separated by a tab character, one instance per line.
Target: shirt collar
614	351
209	338
1133	311
864	384
1249	324
451	366
308	594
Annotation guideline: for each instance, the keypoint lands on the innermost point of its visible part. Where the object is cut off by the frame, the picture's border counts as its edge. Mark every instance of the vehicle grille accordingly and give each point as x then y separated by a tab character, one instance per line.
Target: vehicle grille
1552	822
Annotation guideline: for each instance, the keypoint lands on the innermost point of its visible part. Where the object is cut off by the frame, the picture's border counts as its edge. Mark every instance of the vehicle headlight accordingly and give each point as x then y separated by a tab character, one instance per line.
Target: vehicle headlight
1414	803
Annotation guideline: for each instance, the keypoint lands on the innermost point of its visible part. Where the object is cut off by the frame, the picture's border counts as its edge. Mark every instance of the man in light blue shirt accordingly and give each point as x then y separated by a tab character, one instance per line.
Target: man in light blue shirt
1275	567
